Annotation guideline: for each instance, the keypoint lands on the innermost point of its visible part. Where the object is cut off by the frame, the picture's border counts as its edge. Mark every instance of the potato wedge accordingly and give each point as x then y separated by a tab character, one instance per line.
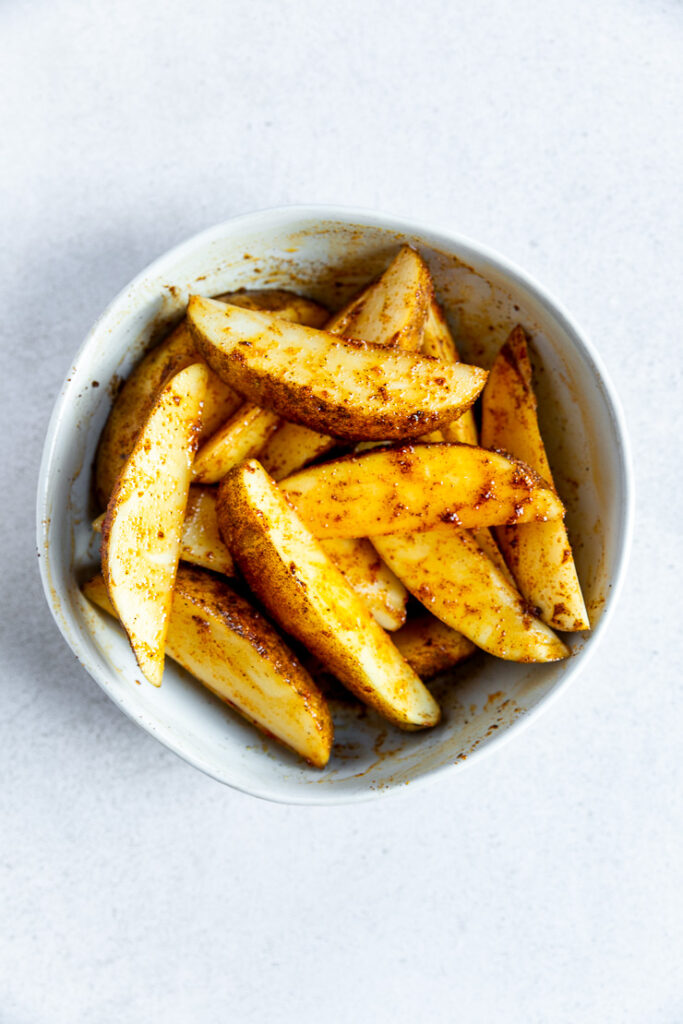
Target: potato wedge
347	389
430	646
144	521
391	311
135	400
293	577
286	305
243	436
416	487
450	575
201	542
540	555
373	581
438	342
217	636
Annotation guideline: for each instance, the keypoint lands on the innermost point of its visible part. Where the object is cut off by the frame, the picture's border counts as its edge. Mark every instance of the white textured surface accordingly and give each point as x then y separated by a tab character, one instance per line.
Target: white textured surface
544	885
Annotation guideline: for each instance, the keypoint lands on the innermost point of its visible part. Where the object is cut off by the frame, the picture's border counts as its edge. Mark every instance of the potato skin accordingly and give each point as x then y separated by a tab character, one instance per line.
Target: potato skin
136	398
293	577
539	555
347	389
212	629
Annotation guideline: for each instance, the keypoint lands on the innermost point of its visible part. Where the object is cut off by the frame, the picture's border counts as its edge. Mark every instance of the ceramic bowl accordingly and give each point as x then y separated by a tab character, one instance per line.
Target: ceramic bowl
327	253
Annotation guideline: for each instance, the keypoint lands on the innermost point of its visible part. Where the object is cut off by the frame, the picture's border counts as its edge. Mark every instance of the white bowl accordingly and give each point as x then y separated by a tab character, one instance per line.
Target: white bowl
327	253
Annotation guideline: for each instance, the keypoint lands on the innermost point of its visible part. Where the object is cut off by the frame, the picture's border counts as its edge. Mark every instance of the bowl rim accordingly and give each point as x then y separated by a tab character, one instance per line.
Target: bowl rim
442	238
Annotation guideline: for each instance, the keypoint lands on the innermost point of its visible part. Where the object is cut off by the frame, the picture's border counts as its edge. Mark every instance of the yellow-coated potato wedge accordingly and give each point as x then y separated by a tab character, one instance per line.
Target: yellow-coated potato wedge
291	447
218	637
201	542
344	388
286	305
430	646
539	555
416	487
384	594
392	311
144	521
487	542
135	400
293	577
438	342
242	437
449	573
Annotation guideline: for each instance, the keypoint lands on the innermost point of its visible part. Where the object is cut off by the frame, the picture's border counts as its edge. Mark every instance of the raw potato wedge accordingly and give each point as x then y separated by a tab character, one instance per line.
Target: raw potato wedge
391	312
430	646
144	521
416	487
348	389
201	542
451	576
384	594
217	636
487	542
243	436
291	574
438	342
135	400
539	555
286	305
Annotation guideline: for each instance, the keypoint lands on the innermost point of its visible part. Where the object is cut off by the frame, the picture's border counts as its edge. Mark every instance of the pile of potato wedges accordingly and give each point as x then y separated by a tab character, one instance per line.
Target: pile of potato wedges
275	476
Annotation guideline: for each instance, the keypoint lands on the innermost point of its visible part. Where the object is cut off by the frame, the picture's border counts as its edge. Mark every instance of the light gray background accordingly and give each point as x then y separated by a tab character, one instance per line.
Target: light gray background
545	883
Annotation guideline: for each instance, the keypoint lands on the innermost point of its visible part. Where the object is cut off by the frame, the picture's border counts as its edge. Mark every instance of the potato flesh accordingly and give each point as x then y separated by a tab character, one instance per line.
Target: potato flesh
430	646
136	398
539	555
243	436
217	636
293	577
373	581
416	487
347	389
452	577
291	447
144	521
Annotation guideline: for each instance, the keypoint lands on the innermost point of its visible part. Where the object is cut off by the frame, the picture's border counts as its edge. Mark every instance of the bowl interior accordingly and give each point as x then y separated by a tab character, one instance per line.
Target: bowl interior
327	260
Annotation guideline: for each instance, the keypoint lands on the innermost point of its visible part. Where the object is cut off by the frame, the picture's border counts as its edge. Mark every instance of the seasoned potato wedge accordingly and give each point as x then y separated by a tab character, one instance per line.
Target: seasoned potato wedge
243	436
218	637
416	487
392	311
293	577
539	555
135	400
384	594
438	342
286	305
430	646
144	521
291	447
449	573
201	542
347	389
